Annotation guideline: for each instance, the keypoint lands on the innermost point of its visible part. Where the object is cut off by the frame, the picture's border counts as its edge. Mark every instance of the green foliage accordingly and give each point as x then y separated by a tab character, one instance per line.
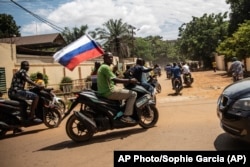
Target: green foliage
45	77
118	37
72	35
239	14
8	27
200	37
238	44
65	81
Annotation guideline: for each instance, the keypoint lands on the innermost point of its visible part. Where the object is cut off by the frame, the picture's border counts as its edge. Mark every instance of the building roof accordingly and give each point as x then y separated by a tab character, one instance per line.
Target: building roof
36	44
48	40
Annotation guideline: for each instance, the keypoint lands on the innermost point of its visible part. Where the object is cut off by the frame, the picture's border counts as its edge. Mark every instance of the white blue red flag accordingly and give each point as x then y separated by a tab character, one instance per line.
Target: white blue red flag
82	49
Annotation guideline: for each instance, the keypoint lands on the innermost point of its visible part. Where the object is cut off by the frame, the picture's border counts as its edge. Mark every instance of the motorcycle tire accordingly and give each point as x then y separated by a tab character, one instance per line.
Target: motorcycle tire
148	116
3	131
158	88
52	117
177	89
78	131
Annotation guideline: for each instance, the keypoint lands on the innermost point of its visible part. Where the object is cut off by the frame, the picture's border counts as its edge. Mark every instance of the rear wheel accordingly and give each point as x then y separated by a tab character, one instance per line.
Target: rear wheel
52	117
148	117
3	131
77	130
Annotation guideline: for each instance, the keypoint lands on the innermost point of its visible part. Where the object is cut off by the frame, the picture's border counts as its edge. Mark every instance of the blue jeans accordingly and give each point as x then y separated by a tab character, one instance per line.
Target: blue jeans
148	87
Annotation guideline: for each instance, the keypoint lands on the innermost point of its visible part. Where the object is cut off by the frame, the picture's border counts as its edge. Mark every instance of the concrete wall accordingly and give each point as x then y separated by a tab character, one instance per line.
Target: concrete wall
220	61
7	60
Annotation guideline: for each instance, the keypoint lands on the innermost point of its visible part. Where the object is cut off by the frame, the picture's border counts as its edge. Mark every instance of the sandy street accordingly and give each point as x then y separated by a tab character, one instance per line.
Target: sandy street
187	122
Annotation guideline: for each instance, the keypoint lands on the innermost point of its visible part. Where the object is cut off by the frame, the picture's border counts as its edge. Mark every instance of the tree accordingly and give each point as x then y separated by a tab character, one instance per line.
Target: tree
239	14
8	27
116	33
200	37
238	45
72	35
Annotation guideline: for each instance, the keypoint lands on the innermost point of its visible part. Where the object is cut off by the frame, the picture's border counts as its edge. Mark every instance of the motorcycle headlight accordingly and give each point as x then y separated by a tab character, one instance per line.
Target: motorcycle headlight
242	104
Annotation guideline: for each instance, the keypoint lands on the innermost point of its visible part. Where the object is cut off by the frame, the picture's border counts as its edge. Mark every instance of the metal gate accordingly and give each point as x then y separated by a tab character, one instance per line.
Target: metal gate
2	80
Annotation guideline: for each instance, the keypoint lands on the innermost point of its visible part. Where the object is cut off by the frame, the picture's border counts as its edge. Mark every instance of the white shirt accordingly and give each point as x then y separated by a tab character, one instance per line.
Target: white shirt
185	69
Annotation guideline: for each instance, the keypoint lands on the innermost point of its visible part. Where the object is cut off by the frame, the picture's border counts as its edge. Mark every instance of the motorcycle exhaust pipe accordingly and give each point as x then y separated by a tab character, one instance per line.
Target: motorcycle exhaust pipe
86	120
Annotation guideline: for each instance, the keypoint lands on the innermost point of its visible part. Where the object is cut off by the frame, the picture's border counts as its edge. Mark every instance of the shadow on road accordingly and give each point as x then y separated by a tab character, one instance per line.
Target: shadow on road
225	142
174	94
11	135
96	139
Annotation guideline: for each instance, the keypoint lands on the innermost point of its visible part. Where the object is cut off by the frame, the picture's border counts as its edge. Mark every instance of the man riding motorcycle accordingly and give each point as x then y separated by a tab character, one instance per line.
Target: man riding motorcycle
237	69
106	80
185	71
17	91
176	73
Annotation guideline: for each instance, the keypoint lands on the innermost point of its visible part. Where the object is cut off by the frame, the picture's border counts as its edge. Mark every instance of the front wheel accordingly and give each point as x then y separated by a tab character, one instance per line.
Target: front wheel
52	117
148	116
62	106
77	130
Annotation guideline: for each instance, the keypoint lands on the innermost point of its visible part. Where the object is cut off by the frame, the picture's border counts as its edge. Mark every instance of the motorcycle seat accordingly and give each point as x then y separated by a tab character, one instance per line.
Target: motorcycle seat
108	101
11	102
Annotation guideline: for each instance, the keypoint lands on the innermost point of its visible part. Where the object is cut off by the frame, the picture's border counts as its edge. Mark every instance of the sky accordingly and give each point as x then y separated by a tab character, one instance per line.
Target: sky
149	17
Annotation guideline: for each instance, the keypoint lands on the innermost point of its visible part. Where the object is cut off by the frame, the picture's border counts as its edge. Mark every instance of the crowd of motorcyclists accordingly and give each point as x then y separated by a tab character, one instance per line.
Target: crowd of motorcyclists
104	80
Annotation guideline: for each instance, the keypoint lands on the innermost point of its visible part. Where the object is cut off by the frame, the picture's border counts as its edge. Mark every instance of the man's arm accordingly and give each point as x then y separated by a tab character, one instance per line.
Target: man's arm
120	80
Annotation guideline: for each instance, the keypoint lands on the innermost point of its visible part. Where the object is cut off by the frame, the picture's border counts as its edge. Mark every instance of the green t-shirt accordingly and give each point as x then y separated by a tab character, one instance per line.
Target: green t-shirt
105	84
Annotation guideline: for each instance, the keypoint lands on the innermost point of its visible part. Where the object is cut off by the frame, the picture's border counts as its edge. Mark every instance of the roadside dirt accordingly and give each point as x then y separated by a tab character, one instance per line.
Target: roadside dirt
207	84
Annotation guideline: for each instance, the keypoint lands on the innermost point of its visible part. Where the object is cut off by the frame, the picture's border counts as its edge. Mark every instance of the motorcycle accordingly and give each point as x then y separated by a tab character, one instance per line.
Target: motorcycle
169	74
188	80
57	101
177	85
236	77
154	82
13	113
99	114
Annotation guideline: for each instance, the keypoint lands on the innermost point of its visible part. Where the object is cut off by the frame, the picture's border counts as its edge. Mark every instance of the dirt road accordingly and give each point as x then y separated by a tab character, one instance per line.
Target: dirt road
187	122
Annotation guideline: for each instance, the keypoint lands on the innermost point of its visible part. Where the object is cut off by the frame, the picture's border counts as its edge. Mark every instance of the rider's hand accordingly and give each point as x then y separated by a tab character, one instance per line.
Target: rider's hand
41	87
133	81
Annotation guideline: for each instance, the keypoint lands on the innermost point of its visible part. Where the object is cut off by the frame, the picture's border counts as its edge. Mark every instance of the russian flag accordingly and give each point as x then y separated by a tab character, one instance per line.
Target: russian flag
82	49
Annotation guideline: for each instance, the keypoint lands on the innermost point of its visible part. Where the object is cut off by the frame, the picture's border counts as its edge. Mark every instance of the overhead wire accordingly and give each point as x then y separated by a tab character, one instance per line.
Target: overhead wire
40	18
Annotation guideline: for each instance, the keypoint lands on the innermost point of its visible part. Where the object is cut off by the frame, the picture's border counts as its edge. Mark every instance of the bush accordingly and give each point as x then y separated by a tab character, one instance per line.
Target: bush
65	81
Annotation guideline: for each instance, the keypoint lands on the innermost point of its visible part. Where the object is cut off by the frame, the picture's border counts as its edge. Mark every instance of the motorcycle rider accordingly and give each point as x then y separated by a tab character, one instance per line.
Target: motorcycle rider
17	91
157	70
39	79
236	68
176	73
106	80
168	69
139	71
185	70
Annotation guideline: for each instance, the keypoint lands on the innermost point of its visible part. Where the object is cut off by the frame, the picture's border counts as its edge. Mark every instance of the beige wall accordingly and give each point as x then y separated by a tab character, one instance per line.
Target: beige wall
220	61
7	60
